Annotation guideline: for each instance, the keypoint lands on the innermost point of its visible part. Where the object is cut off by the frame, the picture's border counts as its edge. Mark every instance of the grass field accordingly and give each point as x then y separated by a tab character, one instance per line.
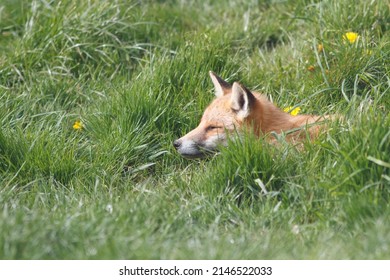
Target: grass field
135	74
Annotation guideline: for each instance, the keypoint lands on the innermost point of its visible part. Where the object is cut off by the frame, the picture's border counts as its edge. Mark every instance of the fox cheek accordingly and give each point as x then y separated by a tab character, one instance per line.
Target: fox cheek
213	140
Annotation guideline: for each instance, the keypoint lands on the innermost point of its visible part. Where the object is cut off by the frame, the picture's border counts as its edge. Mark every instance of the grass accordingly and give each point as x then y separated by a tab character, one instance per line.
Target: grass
136	74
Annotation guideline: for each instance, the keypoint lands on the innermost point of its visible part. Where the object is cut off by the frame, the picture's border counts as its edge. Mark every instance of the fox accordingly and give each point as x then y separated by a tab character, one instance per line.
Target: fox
237	108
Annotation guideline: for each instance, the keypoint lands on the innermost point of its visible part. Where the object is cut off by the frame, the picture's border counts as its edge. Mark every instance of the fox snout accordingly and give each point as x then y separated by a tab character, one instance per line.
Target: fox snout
191	149
188	148
199	142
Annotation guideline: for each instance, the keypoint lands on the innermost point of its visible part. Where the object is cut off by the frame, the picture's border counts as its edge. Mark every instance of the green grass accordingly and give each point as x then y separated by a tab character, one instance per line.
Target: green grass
136	74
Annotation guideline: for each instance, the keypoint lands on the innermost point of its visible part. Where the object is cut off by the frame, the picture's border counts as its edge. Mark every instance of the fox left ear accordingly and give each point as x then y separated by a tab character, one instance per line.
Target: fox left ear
242	100
221	86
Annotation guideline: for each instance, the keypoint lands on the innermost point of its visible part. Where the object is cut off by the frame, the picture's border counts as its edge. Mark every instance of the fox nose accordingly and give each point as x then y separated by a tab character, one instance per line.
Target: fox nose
177	143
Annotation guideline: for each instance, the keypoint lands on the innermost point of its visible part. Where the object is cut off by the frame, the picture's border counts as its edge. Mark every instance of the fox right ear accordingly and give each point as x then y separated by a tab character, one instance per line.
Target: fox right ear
242	100
221	86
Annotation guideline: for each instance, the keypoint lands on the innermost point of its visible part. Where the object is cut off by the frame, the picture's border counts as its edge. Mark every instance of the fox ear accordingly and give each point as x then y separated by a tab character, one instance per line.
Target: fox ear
242	100
221	86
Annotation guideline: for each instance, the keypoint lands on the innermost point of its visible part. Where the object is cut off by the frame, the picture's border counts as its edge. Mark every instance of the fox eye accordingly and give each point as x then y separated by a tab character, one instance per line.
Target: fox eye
211	127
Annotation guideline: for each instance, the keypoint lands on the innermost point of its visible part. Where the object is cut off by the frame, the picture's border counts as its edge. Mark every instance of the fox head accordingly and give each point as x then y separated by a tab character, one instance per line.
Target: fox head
227	113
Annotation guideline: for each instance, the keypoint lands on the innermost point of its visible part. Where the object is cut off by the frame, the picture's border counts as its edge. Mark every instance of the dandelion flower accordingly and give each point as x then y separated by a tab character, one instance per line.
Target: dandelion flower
320	48
78	125
351	37
293	112
311	68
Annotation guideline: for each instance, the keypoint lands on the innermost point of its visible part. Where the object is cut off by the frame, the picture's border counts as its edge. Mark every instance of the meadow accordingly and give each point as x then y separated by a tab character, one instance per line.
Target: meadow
93	93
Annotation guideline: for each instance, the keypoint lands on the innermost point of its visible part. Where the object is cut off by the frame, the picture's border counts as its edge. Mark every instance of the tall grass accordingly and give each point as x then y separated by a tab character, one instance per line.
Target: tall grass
135	73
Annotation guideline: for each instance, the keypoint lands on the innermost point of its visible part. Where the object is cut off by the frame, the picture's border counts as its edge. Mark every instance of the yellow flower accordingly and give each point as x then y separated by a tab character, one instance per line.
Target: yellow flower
351	37
320	48
311	68
293	112
78	125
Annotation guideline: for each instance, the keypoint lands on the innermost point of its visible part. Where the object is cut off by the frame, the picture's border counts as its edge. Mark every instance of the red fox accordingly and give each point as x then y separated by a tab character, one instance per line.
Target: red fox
236	108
